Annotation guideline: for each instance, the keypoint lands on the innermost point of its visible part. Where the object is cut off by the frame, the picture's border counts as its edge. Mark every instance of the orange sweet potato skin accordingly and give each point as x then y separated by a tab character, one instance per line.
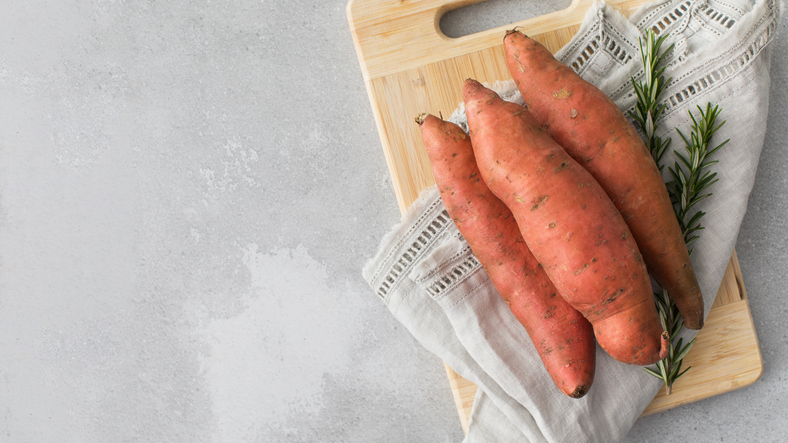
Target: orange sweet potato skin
592	129
569	223
562	336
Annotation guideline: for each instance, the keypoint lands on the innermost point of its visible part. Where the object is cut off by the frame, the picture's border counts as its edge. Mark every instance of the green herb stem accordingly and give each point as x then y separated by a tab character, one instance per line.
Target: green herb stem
691	174
691	179
648	109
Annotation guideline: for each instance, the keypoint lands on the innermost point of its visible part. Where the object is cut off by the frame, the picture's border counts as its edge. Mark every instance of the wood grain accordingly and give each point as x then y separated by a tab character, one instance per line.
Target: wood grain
410	66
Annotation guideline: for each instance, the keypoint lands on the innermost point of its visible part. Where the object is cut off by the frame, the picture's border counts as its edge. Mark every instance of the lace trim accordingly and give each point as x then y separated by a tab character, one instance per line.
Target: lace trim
408	255
732	7
454	275
674	17
666	16
718	16
613	47
596	39
727	64
678	8
713	20
413	225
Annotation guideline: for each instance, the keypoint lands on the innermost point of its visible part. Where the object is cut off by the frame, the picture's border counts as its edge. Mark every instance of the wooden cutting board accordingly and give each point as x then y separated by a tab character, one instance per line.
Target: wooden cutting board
410	66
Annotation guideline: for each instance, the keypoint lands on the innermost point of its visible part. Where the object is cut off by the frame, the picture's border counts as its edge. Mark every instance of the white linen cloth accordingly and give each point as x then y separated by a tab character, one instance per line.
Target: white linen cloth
427	275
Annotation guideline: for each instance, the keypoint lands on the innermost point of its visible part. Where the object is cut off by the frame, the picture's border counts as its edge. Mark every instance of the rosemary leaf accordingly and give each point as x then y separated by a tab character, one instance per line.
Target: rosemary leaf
684	350
653	372
682	372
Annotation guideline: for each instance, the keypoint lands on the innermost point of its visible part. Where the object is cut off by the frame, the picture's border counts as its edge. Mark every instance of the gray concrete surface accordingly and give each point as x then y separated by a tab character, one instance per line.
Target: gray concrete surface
188	191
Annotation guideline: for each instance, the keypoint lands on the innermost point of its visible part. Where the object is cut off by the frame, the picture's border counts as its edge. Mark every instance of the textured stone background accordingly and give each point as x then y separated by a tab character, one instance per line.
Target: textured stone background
188	191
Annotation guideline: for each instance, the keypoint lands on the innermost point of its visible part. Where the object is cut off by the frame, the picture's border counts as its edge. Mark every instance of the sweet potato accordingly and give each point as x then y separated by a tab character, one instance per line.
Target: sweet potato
594	131
569	224
562	336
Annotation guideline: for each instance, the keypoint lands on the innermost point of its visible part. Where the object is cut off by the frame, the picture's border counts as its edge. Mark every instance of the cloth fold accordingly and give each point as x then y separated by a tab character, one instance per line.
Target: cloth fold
427	276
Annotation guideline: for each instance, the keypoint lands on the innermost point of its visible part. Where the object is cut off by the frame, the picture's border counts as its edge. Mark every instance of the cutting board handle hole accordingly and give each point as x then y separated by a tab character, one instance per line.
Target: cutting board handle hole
495	13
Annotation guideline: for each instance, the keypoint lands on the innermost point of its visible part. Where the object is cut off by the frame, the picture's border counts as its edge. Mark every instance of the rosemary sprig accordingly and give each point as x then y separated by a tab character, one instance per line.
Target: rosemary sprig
669	368
648	109
691	178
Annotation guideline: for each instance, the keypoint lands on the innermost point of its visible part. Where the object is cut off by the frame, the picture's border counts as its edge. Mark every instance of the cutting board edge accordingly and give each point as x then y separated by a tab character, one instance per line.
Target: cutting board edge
400	51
